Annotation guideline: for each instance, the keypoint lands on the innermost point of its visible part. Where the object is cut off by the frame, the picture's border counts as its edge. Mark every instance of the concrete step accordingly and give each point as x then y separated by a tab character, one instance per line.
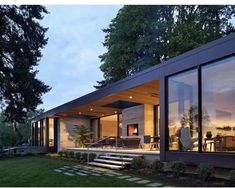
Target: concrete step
124	154
104	165
116	158
112	162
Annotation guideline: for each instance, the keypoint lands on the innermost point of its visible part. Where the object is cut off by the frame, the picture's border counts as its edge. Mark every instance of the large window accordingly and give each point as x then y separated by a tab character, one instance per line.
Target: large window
51	132
183	111
218	106
108	126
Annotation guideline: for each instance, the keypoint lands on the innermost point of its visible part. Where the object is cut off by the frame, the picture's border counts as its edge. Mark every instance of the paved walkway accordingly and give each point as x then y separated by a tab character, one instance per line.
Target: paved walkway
80	170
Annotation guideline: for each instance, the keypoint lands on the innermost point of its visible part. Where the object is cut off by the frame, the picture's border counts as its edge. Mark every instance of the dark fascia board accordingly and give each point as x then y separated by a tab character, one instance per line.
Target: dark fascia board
156	72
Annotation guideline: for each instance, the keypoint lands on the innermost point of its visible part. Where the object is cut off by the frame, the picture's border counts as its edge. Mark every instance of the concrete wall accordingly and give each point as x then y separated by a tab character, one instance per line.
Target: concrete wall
133	115
143	116
66	130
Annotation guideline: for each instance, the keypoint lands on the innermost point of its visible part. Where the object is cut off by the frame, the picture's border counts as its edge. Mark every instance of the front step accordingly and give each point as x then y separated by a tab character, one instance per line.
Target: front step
124	154
104	165
116	158
123	163
116	161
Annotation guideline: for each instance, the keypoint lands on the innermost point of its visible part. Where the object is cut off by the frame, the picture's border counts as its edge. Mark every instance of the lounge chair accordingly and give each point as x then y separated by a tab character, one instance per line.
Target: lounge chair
188	143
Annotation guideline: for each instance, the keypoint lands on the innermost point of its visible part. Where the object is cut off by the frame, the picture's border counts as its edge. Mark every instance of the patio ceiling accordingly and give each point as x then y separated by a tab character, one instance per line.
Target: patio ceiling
147	93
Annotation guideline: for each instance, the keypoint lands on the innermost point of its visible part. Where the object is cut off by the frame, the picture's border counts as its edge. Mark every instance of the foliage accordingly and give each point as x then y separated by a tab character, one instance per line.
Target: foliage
142	36
66	154
84	157
92	156
60	153
137	163
22	39
157	165
232	175
205	171
78	155
81	135
9	137
178	167
71	154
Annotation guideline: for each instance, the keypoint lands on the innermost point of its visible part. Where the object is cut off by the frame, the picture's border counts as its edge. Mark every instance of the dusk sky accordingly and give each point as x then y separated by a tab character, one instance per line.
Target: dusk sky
70	63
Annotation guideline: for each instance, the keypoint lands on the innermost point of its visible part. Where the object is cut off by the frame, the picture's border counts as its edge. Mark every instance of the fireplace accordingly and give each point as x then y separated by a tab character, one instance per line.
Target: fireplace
132	130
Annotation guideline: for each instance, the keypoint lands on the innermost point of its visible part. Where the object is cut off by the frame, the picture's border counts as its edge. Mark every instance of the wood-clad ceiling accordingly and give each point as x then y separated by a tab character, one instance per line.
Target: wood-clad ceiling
147	93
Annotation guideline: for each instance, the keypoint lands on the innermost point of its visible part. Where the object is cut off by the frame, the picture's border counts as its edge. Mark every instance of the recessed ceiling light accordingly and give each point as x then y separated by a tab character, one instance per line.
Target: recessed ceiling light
91	109
130	97
79	113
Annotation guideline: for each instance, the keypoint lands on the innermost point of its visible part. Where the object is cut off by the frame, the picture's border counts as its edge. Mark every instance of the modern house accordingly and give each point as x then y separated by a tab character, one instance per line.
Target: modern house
189	101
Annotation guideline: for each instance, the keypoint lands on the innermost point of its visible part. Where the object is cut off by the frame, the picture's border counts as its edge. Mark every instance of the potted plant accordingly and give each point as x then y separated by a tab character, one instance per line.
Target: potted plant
208	134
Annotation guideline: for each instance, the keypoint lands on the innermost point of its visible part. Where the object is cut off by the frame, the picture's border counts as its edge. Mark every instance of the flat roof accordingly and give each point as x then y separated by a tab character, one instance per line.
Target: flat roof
211	51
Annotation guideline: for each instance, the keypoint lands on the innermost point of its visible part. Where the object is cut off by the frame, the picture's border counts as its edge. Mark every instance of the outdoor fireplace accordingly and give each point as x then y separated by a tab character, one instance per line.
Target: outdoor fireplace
132	130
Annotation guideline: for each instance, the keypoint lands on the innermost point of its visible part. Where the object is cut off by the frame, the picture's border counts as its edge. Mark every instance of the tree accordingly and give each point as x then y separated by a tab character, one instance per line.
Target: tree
21	41
8	137
142	36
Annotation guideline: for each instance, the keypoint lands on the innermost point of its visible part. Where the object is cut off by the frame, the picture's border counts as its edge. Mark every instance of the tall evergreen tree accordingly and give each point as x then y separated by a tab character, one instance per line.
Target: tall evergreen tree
142	36
21	41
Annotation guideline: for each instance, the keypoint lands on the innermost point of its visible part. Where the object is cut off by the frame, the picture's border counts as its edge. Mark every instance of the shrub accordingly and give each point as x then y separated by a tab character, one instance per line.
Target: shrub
66	153
92	156
205	171
84	157
232	176
178	167
157	165
71	154
78	156
138	163
60	153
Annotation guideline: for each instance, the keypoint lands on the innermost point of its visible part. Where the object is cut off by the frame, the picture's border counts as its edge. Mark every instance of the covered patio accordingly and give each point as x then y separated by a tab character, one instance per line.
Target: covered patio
121	118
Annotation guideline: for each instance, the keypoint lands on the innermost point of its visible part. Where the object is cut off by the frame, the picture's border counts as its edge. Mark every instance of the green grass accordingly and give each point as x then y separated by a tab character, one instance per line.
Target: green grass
38	172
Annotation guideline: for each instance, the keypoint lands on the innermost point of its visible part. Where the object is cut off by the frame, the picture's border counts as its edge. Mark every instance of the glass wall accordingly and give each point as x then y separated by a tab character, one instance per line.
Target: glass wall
39	133
44	132
108	126
218	106
120	125
51	132
183	111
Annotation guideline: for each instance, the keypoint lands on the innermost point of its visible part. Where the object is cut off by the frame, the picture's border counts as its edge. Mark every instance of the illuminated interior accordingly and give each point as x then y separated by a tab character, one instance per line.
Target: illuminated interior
51	133
217	108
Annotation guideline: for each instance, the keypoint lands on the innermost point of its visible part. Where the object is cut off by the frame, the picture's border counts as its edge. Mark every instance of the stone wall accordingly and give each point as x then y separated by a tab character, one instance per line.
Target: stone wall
133	115
66	129
141	115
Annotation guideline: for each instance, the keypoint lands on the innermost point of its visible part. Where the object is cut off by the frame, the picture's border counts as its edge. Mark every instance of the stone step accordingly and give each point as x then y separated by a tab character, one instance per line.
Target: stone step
123	154
104	165
116	158
112	162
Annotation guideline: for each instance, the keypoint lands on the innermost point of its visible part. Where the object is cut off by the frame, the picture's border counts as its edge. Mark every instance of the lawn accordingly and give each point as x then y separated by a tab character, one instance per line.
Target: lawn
39	172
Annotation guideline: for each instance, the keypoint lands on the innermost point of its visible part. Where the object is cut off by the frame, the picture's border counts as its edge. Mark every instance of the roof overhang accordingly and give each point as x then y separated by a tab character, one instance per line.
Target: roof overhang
122	89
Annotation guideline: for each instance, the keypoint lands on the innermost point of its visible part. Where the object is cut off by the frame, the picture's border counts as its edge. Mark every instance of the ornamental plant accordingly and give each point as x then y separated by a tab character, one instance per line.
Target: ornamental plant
205	171
178	167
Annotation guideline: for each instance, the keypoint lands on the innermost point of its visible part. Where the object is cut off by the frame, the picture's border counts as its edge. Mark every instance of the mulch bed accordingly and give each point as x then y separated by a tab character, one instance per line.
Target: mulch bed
184	180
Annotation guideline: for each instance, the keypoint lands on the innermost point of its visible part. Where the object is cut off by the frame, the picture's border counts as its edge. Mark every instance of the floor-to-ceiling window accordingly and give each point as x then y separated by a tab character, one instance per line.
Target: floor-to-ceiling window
108	126
119	124
44	132
183	111
218	106
214	115
51	132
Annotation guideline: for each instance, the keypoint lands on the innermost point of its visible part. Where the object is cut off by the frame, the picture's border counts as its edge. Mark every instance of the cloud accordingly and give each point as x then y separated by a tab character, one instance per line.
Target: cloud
70	63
